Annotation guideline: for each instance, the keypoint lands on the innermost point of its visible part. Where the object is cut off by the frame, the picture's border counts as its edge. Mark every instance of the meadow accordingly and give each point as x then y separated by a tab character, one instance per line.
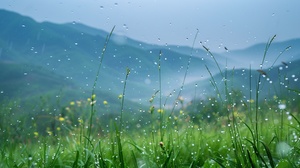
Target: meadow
223	130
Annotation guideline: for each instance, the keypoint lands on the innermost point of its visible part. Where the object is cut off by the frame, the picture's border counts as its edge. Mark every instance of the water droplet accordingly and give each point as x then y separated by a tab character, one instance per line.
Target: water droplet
283	149
281	106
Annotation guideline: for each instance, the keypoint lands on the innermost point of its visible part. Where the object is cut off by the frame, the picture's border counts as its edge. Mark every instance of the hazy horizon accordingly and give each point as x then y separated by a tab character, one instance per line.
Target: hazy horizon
233	24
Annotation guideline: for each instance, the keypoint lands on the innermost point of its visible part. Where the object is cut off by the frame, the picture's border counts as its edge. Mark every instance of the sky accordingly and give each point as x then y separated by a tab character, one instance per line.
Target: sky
235	24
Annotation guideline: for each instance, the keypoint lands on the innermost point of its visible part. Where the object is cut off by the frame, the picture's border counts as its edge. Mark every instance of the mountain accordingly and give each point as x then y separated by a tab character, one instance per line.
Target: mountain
71	52
286	51
277	81
27	80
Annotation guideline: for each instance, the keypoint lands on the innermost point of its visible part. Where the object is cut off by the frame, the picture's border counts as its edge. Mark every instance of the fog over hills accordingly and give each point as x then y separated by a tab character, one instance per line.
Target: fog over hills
71	52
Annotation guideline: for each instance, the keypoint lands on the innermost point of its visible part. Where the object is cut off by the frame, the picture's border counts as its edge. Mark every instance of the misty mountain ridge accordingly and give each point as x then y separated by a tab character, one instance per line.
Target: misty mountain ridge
73	52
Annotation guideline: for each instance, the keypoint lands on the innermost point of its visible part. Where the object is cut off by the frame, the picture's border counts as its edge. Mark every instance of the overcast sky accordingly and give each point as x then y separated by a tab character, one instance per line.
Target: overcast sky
232	23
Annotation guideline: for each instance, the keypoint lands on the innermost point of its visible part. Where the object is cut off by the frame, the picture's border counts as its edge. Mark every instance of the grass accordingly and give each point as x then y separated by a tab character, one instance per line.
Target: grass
238	133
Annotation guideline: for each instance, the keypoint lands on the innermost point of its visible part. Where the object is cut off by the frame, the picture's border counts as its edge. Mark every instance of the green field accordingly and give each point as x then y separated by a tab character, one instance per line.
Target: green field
222	130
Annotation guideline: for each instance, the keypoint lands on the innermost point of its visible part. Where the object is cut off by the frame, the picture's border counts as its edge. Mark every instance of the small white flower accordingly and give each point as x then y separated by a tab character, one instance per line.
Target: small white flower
281	106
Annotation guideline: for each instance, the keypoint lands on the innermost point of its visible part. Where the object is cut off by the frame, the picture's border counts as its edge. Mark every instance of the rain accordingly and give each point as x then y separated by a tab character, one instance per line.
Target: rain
149	84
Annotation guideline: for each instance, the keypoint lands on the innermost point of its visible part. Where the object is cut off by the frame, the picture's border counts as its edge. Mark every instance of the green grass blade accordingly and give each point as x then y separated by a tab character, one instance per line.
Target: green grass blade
267	49
220	71
269	154
55	156
219	162
75	163
295	118
257	153
120	149
165	165
135	163
250	159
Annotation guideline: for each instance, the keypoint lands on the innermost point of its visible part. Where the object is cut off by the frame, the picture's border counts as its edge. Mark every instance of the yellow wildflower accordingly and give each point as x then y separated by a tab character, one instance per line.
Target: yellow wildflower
48	130
50	133
61	119
105	102
36	134
93	96
236	114
58	128
181	112
120	96
72	103
160	110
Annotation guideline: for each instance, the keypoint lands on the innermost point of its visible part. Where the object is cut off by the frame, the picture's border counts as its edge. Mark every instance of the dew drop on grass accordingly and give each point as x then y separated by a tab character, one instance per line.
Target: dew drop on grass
283	149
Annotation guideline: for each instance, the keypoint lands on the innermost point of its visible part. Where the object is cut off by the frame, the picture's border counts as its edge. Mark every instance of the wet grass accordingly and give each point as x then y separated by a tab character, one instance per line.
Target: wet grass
250	134
190	145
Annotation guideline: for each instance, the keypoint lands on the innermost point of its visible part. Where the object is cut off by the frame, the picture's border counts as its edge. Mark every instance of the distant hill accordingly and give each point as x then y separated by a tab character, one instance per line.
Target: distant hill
278	81
70	53
27	80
